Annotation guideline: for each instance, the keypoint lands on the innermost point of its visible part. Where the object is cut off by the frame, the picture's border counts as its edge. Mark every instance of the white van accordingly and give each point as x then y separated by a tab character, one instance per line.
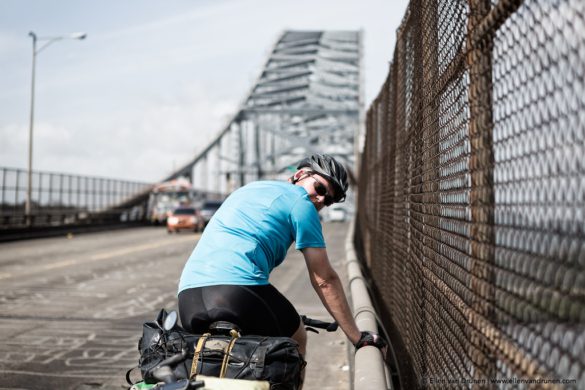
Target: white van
336	213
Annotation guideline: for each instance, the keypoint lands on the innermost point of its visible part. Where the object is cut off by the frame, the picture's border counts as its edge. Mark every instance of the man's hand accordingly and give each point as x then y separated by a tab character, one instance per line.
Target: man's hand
374	339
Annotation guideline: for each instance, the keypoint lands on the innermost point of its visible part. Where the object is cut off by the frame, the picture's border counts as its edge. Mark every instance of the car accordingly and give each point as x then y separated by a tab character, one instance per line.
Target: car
184	218
336	213
209	208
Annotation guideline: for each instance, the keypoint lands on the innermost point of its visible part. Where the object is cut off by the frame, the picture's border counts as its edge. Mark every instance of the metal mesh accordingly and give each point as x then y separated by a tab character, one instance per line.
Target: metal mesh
472	195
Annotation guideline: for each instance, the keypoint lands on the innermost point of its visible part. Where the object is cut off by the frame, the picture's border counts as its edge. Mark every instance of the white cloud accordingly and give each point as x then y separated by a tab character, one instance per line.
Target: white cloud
13	145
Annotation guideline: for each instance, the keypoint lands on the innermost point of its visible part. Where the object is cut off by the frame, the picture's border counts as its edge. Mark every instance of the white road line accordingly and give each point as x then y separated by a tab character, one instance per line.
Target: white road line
59	375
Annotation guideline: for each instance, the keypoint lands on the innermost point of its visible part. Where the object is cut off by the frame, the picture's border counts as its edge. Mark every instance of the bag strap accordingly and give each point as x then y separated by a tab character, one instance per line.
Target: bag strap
228	350
259	357
198	349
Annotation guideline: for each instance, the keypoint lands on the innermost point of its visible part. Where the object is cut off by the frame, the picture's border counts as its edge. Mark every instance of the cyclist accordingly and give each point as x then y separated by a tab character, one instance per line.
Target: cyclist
226	276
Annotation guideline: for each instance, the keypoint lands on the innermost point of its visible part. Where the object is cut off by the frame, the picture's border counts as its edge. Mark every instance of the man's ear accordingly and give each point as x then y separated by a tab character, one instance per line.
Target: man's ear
298	174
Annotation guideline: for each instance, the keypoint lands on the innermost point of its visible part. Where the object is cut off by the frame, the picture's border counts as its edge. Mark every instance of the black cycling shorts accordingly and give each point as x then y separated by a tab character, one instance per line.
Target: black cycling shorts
260	310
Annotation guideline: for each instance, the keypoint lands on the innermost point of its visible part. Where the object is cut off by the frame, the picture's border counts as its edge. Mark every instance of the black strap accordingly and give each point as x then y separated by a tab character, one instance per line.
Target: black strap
259	358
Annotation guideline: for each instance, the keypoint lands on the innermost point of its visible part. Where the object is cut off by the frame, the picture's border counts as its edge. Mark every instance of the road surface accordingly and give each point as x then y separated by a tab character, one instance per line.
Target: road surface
71	308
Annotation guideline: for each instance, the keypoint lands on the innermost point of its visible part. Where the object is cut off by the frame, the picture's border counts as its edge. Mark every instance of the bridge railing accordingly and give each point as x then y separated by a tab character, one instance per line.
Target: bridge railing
471	216
59	199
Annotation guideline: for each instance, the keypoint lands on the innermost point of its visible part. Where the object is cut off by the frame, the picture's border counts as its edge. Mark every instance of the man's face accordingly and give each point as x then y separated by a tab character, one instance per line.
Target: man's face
319	189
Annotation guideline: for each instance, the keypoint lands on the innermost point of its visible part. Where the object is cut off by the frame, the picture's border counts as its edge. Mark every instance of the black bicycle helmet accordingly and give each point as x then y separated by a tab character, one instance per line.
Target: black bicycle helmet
326	166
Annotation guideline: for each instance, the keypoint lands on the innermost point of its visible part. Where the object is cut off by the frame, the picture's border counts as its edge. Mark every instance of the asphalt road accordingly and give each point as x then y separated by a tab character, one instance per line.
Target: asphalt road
72	308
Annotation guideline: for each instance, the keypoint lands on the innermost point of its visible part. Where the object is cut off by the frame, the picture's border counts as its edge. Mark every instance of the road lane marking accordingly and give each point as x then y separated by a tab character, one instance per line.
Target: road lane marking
101	256
59	264
88	374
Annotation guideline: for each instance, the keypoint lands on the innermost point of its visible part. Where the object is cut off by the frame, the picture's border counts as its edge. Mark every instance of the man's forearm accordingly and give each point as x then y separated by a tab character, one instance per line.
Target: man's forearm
333	297
328	286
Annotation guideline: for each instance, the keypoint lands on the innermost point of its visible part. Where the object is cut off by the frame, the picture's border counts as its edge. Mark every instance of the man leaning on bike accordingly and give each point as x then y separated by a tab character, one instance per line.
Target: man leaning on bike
226	276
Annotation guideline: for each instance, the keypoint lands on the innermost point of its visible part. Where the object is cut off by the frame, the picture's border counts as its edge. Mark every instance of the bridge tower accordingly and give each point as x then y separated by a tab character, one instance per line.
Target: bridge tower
308	98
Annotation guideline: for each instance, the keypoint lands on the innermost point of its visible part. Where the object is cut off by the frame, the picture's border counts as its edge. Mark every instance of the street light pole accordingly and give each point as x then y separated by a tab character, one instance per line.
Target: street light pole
35	52
27	206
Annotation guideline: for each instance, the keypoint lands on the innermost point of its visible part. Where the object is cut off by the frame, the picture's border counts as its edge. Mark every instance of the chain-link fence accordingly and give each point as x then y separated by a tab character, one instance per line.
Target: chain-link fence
62	199
472	194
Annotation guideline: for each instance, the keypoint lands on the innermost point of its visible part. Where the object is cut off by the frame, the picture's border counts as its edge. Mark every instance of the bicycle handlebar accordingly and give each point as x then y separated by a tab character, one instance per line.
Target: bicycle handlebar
173	359
328	326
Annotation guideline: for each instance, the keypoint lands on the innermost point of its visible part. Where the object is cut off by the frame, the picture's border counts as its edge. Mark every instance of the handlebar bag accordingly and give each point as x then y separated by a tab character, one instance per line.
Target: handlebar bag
273	359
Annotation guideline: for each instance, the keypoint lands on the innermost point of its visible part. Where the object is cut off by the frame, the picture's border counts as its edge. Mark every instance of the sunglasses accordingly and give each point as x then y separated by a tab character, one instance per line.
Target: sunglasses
321	190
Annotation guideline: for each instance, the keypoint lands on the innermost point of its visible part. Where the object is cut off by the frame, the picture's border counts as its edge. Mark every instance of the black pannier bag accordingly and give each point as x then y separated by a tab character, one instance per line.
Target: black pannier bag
273	359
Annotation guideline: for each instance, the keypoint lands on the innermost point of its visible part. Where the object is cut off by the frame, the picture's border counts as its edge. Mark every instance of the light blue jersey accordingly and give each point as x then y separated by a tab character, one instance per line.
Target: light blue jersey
250	234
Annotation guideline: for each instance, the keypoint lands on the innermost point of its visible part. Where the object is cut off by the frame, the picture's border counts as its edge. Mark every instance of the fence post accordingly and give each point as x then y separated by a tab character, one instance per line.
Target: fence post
25	217
482	199
430	138
3	199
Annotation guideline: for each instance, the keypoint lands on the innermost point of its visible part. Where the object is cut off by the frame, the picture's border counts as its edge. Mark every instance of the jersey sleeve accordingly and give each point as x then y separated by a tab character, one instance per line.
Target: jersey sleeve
306	225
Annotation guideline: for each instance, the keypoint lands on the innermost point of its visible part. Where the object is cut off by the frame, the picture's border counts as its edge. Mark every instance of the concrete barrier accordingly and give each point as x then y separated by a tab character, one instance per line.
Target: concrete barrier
370	372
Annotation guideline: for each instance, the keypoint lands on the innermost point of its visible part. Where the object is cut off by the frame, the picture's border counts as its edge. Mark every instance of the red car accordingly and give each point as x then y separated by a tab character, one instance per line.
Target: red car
185	218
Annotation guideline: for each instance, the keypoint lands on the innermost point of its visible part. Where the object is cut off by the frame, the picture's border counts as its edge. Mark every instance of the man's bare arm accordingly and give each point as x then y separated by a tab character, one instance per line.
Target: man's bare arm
328	286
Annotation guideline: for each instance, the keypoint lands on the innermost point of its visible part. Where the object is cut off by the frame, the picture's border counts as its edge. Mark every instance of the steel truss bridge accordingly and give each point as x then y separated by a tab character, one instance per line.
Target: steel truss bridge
308	98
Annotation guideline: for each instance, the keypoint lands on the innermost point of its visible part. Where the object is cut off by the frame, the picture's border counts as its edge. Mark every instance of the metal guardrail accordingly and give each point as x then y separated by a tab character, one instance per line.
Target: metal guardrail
471	214
60	199
370	372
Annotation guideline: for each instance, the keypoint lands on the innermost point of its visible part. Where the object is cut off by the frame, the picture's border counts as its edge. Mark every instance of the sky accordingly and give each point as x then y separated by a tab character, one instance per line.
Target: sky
155	80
